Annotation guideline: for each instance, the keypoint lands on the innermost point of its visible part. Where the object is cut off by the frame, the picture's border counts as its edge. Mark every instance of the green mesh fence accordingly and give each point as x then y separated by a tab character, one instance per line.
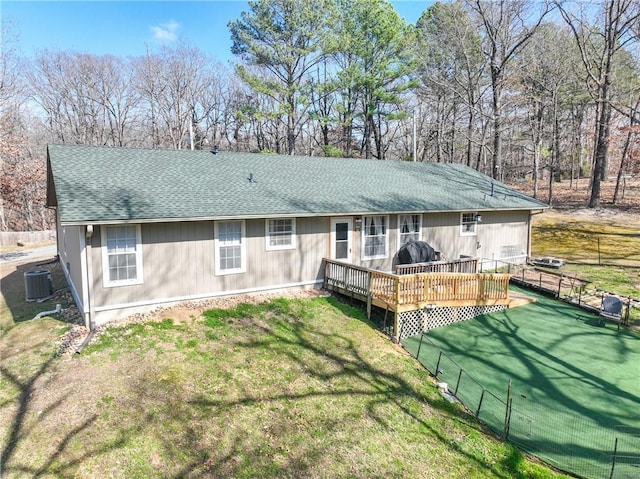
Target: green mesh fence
571	442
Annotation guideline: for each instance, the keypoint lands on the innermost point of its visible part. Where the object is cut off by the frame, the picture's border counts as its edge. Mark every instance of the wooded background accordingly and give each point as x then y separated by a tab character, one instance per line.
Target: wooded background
521	90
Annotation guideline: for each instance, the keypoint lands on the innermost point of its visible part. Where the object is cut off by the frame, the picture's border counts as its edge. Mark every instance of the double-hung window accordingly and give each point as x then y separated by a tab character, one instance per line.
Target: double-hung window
230	248
468	224
280	233
410	226
121	255
375	237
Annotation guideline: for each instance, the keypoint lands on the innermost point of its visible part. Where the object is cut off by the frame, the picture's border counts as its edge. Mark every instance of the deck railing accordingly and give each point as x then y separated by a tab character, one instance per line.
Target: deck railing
419	288
466	265
348	277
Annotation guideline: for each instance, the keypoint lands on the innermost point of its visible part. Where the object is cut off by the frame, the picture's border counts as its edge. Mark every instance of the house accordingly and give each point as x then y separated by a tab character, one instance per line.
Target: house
139	228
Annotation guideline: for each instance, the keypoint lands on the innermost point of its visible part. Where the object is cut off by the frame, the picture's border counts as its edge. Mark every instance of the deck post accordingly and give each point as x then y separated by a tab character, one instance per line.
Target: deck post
396	326
396	315
369	295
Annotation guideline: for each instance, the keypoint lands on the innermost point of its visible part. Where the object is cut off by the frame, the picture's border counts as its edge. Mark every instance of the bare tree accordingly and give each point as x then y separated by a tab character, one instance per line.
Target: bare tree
507	26
599	46
85	99
451	67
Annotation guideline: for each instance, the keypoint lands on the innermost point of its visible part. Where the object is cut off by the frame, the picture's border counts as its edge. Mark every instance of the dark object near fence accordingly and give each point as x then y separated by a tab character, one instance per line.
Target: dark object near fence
548	262
611	309
416	252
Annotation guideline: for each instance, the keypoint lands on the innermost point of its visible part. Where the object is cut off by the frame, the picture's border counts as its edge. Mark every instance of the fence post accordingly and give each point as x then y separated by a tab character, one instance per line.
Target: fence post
613	458
508	425
480	403
438	364
626	316
419	346
507	412
455	393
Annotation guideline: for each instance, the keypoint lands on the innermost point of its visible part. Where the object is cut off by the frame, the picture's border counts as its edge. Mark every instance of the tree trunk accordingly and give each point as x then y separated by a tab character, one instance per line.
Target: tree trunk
470	136
497	124
602	146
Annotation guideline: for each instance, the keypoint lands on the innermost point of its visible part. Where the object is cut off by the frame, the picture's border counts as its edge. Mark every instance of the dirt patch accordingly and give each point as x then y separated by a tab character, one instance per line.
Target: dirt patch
574	198
186	312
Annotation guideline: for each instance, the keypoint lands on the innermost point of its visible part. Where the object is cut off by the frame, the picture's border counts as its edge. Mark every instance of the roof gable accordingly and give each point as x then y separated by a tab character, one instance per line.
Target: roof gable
102	184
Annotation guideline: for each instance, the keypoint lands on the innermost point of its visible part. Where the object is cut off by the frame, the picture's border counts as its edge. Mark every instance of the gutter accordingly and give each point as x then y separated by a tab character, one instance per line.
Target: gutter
88	237
286	215
532	213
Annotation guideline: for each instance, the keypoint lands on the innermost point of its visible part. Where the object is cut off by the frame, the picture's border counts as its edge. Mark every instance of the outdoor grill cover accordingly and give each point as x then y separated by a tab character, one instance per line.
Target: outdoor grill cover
416	252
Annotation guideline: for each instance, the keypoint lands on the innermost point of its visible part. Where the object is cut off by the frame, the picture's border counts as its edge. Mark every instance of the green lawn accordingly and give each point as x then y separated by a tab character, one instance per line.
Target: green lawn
574	383
290	388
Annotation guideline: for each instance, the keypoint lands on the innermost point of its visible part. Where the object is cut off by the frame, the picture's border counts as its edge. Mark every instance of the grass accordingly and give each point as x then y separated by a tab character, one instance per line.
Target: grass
13	307
289	388
604	251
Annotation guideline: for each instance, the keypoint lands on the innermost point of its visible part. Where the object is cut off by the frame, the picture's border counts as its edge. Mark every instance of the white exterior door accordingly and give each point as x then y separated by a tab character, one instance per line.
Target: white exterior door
341	233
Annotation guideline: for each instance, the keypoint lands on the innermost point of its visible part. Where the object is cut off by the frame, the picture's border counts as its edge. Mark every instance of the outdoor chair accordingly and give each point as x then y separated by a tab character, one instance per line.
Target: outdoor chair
611	309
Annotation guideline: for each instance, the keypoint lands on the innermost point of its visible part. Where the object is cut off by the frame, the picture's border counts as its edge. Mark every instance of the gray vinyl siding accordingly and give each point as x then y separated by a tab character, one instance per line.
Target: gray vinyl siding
70	252
503	234
178	262
498	232
179	258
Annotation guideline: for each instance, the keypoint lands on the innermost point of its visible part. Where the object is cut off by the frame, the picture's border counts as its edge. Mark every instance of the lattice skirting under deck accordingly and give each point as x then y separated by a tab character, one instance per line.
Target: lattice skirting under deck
415	322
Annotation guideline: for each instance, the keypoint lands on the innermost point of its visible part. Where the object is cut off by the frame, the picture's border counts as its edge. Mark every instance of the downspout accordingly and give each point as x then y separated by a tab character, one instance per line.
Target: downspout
88	237
49	313
531	215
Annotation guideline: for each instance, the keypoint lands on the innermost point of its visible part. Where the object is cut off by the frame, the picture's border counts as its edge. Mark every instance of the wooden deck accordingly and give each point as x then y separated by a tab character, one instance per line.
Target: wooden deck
418	291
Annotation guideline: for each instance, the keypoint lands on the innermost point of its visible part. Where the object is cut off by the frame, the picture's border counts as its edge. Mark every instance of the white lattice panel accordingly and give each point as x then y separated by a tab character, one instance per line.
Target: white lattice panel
418	321
411	323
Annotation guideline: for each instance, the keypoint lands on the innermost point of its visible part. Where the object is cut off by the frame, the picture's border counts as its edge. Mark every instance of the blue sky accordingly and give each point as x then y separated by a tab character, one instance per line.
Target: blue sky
128	28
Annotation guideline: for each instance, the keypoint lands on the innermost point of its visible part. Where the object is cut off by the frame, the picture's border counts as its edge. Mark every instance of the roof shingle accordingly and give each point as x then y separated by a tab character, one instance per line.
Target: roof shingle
104	184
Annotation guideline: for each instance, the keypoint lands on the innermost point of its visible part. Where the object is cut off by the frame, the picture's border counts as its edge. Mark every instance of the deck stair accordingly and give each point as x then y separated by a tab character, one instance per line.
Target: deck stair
421	301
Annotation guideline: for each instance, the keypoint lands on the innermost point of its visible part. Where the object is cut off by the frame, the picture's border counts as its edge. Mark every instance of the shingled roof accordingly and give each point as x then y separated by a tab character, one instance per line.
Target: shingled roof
91	184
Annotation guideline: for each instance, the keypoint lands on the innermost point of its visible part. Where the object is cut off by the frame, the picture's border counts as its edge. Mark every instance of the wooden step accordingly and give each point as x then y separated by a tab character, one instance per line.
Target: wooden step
518	299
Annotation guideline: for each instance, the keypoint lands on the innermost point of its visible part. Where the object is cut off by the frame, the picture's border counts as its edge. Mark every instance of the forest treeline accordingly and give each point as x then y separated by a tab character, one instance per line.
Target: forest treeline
521	90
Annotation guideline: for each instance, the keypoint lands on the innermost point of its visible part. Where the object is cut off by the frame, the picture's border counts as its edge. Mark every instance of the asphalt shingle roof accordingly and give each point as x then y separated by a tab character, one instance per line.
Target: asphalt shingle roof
102	184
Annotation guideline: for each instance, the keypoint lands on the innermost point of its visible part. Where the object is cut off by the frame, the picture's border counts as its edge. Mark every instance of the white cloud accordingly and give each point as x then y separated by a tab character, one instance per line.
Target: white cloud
166	32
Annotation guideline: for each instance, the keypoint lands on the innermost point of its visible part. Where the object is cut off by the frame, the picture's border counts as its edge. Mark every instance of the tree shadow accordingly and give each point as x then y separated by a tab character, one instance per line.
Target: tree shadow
12	288
556	397
191	424
349	374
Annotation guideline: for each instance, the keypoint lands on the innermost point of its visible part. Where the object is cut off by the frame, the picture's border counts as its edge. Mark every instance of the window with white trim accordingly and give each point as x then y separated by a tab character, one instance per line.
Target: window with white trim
375	237
280	233
468	224
121	255
410	228
230	247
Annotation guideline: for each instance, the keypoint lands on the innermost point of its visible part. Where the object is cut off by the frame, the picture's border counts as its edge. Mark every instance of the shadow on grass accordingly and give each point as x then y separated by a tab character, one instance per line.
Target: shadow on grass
181	425
12	288
345	365
27	370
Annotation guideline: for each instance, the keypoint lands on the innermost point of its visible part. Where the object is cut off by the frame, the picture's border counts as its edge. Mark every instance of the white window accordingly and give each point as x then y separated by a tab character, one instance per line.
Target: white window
410	228
230	250
375	239
468	224
280	233
121	255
